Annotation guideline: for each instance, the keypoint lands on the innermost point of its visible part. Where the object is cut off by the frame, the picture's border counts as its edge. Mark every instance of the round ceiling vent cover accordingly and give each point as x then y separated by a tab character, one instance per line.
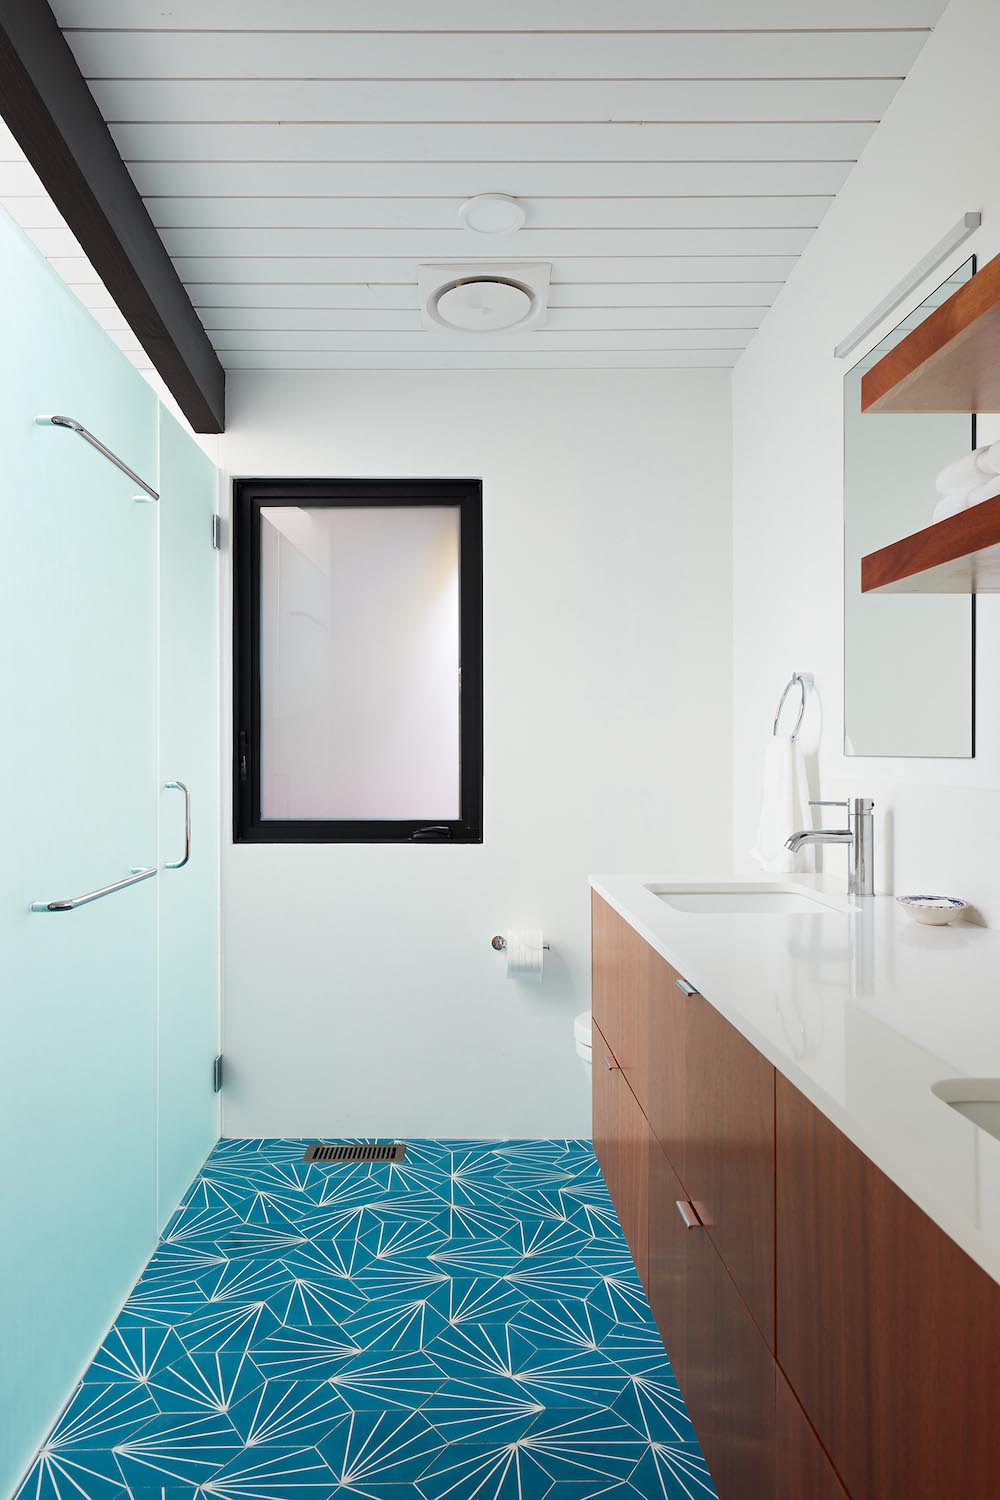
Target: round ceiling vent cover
483	304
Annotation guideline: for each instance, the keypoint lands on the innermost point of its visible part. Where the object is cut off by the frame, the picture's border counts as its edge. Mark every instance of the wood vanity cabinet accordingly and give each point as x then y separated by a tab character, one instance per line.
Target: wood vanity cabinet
831	1342
700	1100
887	1331
708	1096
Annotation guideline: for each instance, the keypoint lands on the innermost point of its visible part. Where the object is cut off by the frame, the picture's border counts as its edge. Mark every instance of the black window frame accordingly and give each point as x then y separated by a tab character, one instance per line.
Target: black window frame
249	496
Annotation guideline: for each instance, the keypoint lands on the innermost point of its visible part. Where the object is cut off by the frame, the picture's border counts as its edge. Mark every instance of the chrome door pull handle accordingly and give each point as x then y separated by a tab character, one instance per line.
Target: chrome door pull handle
179	786
689	1216
685	988
608	1063
72	902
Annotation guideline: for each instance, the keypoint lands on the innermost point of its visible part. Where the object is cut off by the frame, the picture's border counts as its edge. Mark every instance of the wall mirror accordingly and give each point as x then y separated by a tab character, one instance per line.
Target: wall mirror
908	658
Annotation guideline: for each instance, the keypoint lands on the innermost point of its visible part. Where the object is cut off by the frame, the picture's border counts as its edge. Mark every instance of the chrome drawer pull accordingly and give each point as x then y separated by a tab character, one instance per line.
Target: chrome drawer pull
689	1217
608	1063
685	988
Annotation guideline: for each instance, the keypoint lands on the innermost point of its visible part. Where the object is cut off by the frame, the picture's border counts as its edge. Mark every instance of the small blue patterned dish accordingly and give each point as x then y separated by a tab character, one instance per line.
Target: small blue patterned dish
933	911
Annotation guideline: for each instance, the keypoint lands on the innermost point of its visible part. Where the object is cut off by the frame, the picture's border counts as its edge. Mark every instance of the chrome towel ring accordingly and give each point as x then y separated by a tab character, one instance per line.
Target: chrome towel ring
801	680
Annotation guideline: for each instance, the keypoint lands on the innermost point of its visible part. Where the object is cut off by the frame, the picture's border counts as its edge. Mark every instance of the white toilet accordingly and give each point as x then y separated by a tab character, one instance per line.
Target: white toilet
583	1037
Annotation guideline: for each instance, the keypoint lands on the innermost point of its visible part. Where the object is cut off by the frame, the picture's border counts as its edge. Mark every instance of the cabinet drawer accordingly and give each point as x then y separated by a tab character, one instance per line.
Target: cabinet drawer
887	1331
728	1157
622	1141
803	1470
724	1368
620	991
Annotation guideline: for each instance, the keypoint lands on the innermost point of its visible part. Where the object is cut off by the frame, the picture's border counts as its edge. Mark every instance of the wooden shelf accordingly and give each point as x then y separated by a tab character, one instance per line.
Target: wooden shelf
957	556
951	362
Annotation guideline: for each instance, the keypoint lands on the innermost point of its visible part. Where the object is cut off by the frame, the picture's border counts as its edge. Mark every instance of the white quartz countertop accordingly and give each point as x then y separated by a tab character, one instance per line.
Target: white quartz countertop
862	1010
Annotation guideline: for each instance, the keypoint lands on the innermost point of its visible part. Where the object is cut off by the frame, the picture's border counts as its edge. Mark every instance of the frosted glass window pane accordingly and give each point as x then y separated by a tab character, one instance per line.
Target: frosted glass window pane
359	662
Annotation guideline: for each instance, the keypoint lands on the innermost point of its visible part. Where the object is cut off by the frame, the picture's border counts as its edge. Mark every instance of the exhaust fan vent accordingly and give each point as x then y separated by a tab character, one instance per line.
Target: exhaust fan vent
354	1151
483	305
478	297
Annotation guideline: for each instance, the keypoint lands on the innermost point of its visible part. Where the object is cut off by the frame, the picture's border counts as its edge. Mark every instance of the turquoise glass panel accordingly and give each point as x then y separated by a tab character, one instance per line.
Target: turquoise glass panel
188	897
79	793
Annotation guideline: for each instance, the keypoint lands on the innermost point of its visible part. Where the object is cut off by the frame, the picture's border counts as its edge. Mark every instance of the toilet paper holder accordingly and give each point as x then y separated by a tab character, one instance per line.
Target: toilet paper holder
499	942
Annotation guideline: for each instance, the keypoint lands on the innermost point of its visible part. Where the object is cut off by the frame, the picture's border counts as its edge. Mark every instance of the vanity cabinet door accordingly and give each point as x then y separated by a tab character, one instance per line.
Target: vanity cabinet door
724	1368
622	1141
803	1470
669	1078
728	1161
620	991
887	1331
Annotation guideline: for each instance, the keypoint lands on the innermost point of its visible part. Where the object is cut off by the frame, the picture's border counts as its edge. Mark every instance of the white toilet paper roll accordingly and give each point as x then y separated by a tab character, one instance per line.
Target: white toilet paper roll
525	954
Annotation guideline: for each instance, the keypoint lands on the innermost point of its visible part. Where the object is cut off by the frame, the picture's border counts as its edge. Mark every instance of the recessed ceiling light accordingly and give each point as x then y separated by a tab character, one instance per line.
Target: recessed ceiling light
483	305
492	213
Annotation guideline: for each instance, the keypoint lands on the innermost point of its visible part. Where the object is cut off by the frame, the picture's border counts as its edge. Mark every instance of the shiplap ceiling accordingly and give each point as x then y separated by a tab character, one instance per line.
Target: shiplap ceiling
301	158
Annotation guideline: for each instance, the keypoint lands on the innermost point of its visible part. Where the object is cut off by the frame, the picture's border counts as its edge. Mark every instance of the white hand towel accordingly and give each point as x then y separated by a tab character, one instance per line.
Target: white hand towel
784	803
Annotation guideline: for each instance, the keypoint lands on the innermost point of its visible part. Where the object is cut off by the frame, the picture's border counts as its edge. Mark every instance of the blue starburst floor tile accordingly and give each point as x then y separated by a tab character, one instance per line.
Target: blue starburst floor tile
464	1325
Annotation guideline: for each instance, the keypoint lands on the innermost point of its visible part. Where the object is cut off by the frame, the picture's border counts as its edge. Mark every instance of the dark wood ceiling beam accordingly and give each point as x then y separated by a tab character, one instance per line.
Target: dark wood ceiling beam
45	102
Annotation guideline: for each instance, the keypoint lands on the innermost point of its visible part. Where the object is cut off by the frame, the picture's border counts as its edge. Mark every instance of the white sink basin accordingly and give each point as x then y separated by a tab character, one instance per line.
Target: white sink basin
757	899
978	1099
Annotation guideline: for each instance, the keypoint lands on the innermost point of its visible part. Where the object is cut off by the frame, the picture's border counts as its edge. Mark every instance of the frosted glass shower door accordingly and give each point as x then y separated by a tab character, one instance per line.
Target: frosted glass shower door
78	798
188	895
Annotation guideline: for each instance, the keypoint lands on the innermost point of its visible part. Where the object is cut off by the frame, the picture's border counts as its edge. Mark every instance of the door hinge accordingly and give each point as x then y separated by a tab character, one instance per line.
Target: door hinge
217	1074
217	533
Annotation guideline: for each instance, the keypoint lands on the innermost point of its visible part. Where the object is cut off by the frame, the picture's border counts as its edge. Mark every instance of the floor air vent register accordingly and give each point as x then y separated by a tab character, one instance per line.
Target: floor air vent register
354	1152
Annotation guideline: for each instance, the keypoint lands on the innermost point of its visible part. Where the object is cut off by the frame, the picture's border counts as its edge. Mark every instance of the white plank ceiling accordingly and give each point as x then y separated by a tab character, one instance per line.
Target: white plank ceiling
300	160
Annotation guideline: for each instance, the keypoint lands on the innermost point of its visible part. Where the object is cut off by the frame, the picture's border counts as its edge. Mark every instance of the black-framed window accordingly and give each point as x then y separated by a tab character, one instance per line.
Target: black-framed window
358	660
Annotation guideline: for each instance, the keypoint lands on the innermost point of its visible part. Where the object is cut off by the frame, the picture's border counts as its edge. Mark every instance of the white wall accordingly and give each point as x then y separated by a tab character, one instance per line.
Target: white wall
361	992
933	157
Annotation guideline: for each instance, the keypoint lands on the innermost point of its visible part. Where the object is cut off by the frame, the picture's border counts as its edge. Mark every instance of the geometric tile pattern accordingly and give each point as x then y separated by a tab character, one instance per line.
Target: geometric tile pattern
464	1325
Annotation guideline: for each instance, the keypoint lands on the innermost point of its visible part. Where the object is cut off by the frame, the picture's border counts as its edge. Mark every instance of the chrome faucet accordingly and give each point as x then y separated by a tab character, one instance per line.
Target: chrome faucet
859	836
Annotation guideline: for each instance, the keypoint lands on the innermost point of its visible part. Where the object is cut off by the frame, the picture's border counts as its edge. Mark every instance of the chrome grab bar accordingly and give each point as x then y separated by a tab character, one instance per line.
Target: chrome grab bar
106	890
179	786
74	426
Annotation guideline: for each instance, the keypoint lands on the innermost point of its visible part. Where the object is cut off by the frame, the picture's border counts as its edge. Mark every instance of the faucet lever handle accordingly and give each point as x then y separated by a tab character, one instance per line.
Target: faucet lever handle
829	804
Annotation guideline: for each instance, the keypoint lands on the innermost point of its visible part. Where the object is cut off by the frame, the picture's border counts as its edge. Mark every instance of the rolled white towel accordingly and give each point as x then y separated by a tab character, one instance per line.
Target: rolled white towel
959	500
965	473
952	505
984	491
988	459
